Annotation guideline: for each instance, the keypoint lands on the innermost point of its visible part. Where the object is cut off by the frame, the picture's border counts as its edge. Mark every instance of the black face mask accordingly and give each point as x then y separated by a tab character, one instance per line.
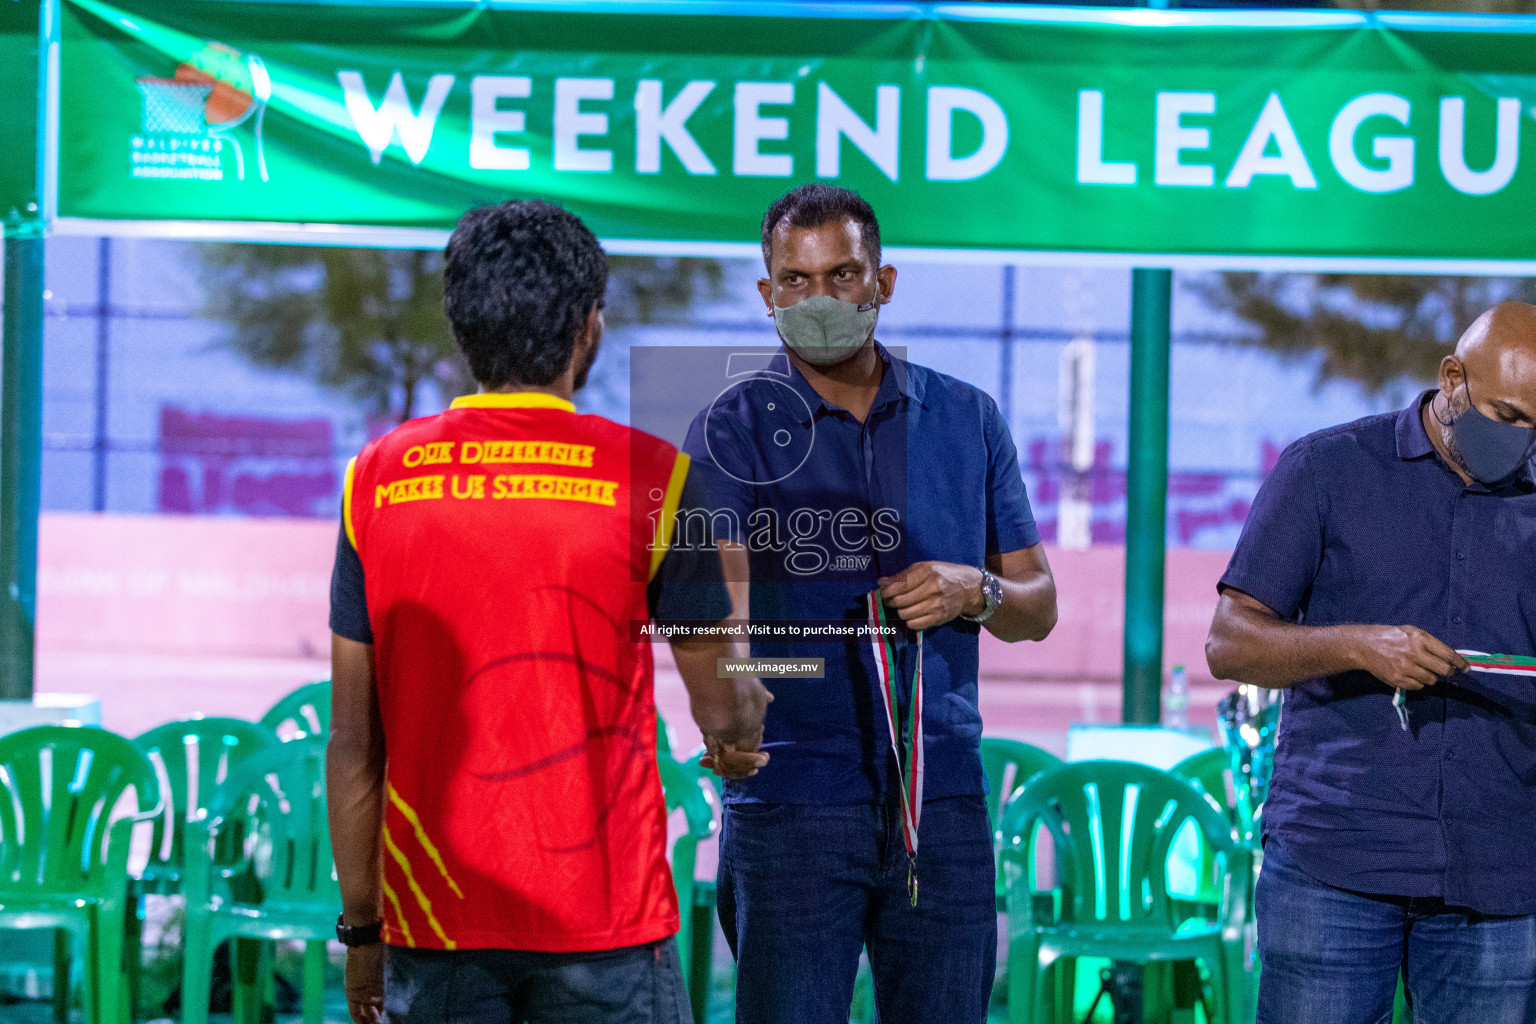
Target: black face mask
1490	451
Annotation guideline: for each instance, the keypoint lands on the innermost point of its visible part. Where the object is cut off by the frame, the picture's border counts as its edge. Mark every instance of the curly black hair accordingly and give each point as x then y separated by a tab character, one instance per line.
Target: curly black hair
520	279
815	204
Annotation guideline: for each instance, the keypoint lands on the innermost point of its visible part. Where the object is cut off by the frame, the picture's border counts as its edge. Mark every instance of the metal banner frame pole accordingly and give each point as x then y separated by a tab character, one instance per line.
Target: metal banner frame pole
1146	499
21	454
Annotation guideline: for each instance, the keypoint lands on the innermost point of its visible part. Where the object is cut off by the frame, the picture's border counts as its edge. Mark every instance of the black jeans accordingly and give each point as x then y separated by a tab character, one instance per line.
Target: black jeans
637	985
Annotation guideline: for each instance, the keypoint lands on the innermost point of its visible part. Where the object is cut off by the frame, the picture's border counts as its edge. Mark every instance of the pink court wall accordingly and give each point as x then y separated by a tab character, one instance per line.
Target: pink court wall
196	586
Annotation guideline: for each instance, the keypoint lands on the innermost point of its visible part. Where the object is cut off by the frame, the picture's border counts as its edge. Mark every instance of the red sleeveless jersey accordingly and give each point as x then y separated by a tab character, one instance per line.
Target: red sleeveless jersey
506	546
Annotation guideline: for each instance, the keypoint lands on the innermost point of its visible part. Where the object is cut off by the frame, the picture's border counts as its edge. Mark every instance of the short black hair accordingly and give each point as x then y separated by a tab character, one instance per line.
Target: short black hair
519	281
811	206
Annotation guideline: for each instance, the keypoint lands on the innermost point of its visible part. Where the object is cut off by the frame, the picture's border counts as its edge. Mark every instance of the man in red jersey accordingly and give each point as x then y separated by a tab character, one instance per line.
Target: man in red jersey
496	812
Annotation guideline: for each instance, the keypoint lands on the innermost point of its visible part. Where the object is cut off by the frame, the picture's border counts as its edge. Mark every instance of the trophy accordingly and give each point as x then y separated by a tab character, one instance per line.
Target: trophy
1249	719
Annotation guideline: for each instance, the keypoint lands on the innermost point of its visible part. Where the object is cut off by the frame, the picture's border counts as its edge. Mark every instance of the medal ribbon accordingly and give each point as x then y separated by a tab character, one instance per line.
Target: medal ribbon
910	766
1500	664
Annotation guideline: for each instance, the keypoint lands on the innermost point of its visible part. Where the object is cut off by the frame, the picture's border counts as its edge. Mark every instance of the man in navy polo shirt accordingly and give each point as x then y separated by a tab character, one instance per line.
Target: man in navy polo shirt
846	469
1400	831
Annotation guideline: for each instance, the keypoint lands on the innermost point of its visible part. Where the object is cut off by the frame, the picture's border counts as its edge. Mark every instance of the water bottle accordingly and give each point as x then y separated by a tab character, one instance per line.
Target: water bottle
1176	700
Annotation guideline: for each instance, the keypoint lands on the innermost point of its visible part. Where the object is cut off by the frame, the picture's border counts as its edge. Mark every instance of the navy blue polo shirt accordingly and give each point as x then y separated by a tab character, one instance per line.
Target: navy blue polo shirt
1365	523
827	505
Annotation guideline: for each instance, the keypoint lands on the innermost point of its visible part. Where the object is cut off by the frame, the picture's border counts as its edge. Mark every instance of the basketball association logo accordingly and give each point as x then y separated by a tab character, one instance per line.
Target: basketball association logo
191	123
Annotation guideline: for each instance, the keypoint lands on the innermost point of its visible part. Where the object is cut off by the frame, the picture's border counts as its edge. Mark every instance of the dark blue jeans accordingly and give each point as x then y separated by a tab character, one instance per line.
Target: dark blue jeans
804	889
635	985
1331	956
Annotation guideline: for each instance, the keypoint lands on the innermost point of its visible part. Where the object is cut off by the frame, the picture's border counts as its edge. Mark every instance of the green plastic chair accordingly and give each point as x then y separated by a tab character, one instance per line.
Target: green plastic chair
1112	824
304	712
998	755
193	758
1213	772
197	756
689	786
64	857
1009	764
282	880
1210	772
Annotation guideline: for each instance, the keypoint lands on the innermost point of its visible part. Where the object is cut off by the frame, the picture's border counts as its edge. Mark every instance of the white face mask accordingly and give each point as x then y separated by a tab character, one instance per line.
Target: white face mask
824	331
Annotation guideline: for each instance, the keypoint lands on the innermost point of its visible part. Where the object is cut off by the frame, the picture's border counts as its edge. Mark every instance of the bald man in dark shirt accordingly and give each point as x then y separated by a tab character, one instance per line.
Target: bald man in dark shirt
1400	831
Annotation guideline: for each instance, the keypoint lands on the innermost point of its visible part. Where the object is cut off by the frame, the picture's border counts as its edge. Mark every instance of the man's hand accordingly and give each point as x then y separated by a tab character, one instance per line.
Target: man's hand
730	761
929	594
1406	657
1250	643
354	771
737	756
365	983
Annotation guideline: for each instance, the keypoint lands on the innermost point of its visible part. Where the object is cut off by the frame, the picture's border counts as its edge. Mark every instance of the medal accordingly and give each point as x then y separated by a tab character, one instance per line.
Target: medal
911	766
1500	664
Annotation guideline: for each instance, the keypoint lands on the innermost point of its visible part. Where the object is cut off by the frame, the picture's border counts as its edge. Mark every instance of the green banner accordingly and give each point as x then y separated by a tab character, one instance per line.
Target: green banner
20	111
1232	138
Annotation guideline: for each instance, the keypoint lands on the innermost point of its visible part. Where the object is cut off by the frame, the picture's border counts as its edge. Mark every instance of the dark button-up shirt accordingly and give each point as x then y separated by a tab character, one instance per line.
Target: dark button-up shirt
1365	523
827	505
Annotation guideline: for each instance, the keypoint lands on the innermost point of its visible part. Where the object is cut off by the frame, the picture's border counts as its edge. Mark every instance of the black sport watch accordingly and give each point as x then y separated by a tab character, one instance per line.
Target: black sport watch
353	936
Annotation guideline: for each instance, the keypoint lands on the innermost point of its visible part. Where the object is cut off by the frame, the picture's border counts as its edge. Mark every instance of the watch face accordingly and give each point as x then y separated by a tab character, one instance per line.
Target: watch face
993	591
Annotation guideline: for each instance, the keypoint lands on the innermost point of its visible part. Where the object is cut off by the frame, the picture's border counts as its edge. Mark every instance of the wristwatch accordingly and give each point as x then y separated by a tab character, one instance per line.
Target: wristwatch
354	935
992	590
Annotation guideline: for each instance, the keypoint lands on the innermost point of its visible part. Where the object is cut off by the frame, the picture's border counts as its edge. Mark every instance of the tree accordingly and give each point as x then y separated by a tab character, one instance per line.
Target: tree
1373	329
369	322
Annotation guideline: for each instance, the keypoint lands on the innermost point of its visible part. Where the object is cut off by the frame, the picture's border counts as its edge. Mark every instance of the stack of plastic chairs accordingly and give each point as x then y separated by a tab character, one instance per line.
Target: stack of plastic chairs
280	879
194	758
245	839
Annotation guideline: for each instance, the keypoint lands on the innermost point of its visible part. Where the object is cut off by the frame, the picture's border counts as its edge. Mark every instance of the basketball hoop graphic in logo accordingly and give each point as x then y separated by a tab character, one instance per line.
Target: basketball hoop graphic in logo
189	120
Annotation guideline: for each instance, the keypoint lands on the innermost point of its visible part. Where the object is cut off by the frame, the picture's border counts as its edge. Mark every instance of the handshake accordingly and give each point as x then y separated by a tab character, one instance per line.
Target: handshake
734	754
